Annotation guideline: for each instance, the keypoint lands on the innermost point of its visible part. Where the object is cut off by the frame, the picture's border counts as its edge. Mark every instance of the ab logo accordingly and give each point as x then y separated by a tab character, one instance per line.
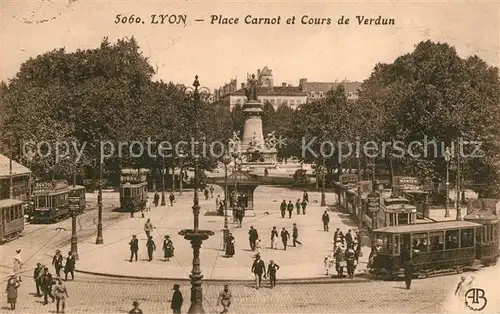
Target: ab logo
475	299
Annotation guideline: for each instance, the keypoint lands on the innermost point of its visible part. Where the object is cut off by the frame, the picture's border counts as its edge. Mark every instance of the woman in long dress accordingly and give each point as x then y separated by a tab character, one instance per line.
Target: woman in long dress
230	245
168	248
60	293
11	290
18	264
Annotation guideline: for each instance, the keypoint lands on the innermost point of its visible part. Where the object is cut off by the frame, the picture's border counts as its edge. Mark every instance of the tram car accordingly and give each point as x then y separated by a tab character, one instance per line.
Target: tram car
433	248
51	201
133	196
12	219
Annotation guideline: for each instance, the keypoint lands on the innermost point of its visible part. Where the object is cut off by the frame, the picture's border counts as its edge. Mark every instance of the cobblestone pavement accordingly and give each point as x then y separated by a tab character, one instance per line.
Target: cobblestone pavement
303	261
90	294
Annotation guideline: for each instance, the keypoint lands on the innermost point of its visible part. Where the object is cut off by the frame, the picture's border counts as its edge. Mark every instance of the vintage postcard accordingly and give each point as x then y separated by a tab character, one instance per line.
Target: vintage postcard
249	157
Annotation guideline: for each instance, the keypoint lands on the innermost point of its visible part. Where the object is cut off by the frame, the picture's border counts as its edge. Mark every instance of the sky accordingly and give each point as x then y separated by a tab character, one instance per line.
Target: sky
218	53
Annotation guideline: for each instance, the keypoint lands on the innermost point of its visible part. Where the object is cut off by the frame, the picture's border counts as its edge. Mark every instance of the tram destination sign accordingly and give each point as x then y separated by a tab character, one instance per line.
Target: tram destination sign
44	186
373	202
74	202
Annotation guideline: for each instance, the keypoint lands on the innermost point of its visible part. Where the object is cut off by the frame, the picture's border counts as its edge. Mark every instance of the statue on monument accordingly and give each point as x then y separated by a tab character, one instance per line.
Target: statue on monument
255	143
271	141
235	143
251	92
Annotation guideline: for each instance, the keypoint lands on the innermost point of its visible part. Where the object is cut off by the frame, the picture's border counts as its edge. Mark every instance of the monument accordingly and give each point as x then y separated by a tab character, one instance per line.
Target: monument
254	149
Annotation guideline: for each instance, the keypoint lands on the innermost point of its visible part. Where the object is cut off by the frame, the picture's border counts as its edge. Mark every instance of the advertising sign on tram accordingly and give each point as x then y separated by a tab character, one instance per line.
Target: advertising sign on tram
373	202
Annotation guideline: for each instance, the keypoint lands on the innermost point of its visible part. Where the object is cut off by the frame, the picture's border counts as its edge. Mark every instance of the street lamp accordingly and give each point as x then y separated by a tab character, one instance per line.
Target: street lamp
163	203
457	203
173	174
196	236
181	156
74	239
99	239
236	156
323	196
226	159
447	157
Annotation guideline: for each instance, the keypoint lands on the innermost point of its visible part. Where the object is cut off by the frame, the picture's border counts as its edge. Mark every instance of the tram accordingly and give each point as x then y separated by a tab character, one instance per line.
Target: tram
433	248
51	201
12	219
133	190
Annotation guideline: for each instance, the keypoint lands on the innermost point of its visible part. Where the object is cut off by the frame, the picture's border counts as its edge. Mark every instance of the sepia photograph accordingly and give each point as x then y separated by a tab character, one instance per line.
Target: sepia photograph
249	157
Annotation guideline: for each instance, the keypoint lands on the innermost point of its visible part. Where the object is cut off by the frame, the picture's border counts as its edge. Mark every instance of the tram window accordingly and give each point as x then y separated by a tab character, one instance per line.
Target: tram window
126	192
396	244
451	239
436	241
382	242
467	238
480	235
391	220
420	242
42	201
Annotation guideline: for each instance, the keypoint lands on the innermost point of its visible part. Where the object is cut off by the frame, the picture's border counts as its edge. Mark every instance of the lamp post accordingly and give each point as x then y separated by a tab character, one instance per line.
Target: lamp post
99	239
173	174
226	159
72	205
360	204
163	181
323	196
447	157
195	235
236	156
181	156
11	181
457	202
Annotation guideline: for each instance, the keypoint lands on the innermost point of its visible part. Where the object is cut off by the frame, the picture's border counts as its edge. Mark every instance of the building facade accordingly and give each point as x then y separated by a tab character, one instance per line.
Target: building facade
20	179
229	95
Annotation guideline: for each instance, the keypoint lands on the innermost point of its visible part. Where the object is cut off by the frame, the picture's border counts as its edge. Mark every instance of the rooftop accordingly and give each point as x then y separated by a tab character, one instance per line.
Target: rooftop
9	202
350	87
275	91
17	168
433	226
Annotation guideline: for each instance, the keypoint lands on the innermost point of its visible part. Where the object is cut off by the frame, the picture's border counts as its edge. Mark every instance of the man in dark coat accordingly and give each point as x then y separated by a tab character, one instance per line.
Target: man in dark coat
336	236
326	220
253	235
258	269
156	199
36	277
349	238
57	262
177	300
69	267
151	246
305	196
283	209
408	273
171	197
272	268
285	236
46	282
304	205
290	209
295	235
134	247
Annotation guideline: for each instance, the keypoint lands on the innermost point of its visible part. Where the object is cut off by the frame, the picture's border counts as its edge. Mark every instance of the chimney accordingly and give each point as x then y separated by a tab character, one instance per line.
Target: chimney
242	85
283	84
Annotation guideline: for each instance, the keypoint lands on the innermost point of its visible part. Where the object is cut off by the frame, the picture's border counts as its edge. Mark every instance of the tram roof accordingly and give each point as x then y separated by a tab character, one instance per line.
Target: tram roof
9	202
57	191
432	226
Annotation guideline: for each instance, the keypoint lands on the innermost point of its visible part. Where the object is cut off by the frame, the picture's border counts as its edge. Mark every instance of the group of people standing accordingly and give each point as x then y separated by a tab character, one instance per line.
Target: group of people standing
168	245
284	207
346	253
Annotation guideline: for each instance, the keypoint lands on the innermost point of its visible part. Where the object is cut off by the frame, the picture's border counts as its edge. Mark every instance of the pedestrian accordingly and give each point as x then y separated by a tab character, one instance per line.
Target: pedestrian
253	235
295	235
408	274
151	247
60	293
258	247
290	209
171	198
230	245
297	206
304	205
217	201
327	263
336	237
340	261
36	277
142	206
46	282
283	209
148	228
240	215
57	262
206	193
148	204
272	268
168	248
156	199
349	238
136	309
177	300
134	247
69	267
326	220
258	269
211	191
274	238
225	299
11	290
351	261
285	236
221	209
18	264
305	197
